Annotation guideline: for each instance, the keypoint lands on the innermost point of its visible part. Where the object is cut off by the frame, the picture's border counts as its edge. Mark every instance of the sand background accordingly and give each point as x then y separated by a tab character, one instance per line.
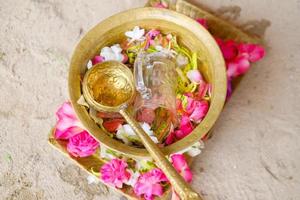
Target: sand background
255	151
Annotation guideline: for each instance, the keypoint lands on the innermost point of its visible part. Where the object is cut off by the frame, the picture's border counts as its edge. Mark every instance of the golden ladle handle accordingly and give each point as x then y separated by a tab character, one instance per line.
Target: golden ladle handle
182	188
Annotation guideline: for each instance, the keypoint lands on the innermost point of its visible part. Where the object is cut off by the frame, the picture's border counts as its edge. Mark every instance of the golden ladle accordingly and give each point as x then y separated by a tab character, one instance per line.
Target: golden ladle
109	87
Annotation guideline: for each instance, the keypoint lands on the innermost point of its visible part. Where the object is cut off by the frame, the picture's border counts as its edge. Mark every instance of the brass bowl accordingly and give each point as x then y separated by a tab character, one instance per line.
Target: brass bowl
190	34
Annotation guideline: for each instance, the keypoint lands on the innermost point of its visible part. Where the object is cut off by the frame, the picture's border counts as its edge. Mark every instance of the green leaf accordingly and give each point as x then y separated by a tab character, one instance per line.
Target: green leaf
151	49
8	157
146	165
181	75
194	61
184	101
112	152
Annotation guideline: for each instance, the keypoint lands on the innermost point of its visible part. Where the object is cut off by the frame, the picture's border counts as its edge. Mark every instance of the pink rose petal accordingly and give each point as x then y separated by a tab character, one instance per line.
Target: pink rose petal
170	138
229	50
190	106
189	94
67	133
67	123
200	111
125	58
160	5
238	66
153	33
239	56
150	36
179	134
255	52
181	166
202	90
185	127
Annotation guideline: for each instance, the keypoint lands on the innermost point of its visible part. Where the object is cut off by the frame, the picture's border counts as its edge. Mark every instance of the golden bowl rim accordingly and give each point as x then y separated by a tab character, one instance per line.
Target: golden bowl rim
219	88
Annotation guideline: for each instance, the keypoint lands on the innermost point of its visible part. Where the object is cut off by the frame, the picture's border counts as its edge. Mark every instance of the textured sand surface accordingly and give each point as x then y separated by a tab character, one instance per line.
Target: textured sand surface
255	151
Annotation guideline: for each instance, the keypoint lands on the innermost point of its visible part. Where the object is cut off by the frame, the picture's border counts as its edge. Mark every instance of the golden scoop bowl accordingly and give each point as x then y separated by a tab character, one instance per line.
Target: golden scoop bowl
109	87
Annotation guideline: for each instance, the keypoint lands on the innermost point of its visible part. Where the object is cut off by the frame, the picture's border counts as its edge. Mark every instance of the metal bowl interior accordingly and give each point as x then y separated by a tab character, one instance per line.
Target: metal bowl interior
189	33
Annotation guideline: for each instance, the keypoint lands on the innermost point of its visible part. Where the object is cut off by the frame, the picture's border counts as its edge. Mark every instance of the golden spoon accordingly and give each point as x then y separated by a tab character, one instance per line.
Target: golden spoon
109	87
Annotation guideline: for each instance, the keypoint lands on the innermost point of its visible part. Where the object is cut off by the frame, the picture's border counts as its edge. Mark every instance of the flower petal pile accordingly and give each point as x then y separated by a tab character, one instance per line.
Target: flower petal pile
68	127
238	58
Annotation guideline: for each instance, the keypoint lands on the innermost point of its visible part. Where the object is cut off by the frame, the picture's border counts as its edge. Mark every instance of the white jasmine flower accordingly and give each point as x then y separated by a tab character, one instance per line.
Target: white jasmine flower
195	76
136	34
112	53
81	101
106	153
93	114
89	64
169	52
92	179
182	60
127	134
133	178
193	150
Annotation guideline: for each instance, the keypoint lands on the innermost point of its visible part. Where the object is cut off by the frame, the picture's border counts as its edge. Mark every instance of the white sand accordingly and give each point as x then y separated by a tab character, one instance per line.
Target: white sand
254	154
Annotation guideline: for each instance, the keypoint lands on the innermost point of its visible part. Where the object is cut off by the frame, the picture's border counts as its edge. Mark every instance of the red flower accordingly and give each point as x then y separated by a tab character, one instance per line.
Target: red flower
113	124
